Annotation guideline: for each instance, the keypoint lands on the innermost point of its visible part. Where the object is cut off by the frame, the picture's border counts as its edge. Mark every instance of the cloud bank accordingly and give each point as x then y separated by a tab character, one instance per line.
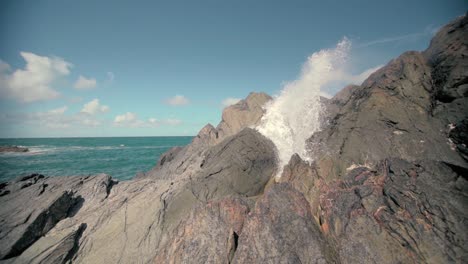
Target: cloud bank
84	83
130	119
94	107
35	81
177	100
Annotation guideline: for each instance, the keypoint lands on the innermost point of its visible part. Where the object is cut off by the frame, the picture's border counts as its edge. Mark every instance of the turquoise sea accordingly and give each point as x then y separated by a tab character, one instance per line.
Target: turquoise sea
120	157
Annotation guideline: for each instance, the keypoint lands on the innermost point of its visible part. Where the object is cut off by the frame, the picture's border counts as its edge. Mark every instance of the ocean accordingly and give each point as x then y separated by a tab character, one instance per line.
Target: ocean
120	157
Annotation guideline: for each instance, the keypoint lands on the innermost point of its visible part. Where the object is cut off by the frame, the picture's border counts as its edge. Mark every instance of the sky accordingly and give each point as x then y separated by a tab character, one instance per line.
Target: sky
167	68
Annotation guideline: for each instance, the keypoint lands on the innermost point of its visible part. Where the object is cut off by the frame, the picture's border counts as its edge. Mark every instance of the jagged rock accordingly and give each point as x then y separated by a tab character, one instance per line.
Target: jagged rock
398	111
459	137
447	55
208	235
245	113
35	204
398	214
241	165
55	249
281	230
127	221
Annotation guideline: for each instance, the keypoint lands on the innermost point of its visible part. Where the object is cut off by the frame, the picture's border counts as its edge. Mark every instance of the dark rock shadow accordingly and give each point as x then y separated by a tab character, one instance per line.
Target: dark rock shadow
75	208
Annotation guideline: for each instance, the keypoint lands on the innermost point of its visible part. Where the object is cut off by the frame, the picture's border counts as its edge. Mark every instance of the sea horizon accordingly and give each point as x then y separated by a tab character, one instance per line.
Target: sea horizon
120	157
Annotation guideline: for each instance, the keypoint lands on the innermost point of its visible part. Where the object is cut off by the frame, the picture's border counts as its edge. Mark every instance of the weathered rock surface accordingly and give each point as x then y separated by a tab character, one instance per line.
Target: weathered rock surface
13	149
208	235
402	213
95	219
401	110
281	230
389	185
245	113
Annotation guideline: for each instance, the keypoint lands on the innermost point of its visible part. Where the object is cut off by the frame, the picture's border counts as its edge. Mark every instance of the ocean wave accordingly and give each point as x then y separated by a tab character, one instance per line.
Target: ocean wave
294	115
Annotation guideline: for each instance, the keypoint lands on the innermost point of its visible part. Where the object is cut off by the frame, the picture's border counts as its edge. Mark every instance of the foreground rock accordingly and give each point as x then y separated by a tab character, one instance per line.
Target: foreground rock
13	149
389	185
94	219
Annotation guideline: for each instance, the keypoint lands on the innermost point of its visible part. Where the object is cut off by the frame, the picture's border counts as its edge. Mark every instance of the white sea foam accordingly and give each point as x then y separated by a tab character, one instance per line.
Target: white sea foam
294	115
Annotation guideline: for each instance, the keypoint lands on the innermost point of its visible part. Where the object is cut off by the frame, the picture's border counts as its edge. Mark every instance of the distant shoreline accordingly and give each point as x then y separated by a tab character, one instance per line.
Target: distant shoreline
12	148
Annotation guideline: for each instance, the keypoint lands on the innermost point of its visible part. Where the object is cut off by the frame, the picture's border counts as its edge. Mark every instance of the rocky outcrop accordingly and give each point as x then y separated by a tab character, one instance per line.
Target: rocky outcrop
399	110
95	219
185	161
209	234
388	185
397	214
281	230
246	113
33	205
13	149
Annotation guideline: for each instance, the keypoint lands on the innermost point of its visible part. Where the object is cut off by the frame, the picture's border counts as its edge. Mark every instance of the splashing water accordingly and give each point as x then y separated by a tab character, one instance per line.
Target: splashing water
293	116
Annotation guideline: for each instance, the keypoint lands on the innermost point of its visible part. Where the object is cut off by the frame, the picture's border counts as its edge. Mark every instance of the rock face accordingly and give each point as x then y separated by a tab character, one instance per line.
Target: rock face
245	113
95	219
389	185
403	110
13	149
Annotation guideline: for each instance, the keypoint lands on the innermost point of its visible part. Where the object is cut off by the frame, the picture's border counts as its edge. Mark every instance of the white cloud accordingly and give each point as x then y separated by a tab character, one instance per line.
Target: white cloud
172	122
91	122
125	118
75	99
34	82
177	100
130	119
230	101
84	83
58	111
94	107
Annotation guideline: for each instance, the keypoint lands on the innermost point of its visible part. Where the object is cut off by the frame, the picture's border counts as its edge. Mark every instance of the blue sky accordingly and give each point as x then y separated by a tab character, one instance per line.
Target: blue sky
154	68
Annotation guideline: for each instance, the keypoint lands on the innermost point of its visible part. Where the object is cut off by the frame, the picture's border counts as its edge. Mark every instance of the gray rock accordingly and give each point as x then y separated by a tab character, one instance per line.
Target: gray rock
246	113
33	205
398	111
209	234
281	230
402	213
